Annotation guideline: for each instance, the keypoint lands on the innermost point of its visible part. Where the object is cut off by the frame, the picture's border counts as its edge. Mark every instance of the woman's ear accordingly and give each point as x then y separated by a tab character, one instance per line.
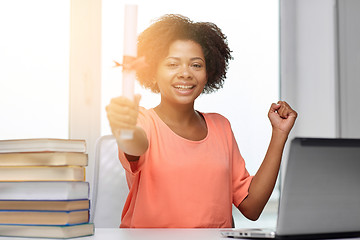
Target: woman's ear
154	83
153	80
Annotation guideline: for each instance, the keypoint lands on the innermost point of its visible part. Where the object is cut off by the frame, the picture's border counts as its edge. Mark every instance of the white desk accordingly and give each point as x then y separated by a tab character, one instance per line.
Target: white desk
150	234
155	234
144	234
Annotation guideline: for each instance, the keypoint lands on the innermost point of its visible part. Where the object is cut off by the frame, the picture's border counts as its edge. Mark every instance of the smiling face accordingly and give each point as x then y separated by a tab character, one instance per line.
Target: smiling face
181	75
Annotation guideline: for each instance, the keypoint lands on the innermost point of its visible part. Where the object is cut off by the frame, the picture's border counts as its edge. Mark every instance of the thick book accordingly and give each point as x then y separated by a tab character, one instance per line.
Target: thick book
44	159
42	145
44	217
42	173
45	205
44	190
80	230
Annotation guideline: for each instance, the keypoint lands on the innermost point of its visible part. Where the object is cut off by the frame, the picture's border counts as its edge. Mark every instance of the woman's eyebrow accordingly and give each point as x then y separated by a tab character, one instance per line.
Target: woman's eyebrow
174	58
178	58
197	58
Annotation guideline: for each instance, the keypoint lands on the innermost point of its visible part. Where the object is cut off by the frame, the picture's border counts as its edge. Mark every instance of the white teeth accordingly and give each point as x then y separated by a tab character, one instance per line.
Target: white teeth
184	87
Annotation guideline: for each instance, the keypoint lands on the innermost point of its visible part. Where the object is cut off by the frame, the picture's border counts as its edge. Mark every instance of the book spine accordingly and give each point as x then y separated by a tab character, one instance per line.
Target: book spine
69	173
63	190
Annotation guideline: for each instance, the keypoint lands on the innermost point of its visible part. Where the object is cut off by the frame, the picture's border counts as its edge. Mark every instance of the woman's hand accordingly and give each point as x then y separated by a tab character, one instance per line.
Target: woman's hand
122	113
282	117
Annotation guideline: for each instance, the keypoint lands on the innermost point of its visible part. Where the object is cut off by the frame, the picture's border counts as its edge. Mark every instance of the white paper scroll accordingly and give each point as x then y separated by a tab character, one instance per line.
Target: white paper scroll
130	51
130	30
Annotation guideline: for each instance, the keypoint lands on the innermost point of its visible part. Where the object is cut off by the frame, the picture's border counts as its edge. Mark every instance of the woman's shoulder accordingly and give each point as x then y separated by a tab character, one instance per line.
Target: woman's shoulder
146	112
215	116
142	109
218	126
146	117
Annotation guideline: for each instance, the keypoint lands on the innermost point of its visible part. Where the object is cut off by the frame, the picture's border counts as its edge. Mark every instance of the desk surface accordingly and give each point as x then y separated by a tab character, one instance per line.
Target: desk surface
150	234
156	234
142	234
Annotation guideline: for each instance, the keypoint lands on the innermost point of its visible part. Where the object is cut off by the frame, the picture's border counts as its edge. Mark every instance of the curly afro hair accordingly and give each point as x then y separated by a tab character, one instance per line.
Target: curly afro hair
154	42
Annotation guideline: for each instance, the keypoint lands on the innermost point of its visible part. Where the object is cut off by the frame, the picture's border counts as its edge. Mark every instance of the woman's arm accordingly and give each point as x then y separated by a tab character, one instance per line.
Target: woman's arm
134	147
282	118
122	114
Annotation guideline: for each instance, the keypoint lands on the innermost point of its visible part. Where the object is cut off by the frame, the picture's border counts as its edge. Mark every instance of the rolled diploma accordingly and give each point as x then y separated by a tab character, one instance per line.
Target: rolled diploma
130	50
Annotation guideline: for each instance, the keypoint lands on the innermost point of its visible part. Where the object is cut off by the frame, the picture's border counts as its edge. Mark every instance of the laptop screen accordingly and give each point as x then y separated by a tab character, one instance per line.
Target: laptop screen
321	188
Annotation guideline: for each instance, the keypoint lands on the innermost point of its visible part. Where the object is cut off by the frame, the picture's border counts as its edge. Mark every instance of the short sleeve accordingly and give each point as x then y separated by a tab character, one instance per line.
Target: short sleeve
241	178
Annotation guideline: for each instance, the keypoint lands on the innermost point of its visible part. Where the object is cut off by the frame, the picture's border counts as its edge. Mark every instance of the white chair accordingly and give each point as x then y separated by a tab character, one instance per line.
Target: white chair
110	188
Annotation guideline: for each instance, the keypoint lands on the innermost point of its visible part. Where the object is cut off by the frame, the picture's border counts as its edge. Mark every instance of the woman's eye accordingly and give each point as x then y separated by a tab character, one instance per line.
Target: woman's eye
171	65
196	65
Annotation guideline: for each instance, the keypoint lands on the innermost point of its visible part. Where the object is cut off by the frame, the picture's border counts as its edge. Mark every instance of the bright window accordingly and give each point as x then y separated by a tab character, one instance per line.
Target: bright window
34	63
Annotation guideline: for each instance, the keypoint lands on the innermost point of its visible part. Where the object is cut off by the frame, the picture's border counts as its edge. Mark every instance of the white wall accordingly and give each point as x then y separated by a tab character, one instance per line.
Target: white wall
308	65
349	67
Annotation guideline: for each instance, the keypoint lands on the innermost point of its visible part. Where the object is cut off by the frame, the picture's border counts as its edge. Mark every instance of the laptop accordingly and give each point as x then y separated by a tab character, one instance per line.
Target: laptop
320	197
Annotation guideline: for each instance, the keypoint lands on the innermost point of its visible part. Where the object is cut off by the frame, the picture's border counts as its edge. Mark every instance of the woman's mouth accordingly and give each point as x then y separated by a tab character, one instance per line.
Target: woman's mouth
184	90
184	87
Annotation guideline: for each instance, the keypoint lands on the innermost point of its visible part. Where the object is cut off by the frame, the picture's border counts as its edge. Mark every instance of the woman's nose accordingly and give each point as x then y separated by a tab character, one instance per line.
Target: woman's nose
184	72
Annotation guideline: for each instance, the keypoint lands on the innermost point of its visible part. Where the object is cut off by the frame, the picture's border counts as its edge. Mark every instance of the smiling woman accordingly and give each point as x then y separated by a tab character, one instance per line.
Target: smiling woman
252	77
252	80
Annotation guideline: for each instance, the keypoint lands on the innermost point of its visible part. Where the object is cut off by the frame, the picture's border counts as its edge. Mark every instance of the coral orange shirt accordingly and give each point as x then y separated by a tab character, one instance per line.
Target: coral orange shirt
179	183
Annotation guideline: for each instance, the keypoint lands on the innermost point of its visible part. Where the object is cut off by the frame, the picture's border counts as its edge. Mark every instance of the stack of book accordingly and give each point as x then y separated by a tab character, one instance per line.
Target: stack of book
43	192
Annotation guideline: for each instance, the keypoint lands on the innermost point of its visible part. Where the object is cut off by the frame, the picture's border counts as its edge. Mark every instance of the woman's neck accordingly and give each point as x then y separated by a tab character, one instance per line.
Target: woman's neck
183	120
179	114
